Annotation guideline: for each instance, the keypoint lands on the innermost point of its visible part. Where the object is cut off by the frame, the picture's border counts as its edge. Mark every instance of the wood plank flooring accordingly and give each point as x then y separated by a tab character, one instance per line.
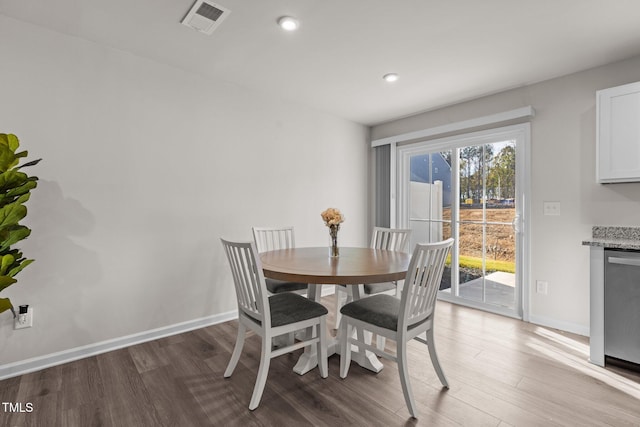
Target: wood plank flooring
502	372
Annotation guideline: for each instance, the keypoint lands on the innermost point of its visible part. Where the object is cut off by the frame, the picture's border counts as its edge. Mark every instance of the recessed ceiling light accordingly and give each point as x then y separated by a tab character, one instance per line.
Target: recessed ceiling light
288	23
391	77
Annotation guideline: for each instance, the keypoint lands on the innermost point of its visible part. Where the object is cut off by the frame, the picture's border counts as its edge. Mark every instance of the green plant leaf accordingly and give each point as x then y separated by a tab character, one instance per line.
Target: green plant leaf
6	281
10	141
23	198
8	145
5	304
8	198
22	189
31	163
11	214
5	262
13	235
7	158
14	142
11	179
15	252
19	268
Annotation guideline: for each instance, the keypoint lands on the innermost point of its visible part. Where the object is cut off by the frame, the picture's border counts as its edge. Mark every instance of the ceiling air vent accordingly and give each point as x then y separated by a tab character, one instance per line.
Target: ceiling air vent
205	16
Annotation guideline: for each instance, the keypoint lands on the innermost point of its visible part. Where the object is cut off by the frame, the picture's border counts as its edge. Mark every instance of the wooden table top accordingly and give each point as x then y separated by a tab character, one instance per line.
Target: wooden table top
354	265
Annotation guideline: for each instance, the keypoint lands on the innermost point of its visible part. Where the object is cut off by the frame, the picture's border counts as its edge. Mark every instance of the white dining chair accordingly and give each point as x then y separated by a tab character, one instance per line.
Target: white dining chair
270	316
390	239
400	319
271	239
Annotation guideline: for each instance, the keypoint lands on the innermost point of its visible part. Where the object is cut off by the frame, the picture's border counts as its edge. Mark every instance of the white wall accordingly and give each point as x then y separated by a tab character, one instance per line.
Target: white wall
563	169
144	168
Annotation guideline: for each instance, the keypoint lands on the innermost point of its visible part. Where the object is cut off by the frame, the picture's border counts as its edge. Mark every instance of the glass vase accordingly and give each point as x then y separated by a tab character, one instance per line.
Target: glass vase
334	250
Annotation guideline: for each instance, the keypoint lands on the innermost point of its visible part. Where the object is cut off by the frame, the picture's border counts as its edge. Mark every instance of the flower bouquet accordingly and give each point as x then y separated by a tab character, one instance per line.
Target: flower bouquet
332	218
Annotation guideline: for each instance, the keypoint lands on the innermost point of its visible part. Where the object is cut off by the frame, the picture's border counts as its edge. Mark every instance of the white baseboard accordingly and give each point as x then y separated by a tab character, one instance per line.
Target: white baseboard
37	363
574	328
41	362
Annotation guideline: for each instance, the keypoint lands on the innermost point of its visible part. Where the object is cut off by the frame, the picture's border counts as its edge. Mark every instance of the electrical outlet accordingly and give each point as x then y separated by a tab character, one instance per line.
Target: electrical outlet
542	287
24	320
551	208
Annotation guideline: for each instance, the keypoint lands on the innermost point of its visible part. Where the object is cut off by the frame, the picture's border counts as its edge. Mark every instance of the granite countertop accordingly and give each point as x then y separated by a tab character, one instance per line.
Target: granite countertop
615	237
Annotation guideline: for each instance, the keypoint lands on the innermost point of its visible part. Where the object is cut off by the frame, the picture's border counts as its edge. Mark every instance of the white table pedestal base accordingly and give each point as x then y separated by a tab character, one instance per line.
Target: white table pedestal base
309	359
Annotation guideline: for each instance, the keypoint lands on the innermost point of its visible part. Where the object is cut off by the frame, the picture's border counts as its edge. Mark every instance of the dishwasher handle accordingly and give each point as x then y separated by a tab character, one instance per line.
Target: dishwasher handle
624	261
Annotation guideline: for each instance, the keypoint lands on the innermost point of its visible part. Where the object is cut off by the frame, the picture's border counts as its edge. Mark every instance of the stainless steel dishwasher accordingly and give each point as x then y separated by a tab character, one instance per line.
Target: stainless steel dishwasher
622	305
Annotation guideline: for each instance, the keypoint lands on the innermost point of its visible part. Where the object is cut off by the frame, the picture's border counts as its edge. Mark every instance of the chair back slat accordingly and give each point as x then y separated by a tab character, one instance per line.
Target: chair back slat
422	282
391	239
248	279
271	239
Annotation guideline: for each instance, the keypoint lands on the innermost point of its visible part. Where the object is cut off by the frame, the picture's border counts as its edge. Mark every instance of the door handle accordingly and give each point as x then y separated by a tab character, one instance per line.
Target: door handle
515	224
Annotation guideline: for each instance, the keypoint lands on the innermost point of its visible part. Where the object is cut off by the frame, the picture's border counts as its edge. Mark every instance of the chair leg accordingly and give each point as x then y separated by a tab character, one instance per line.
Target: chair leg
341	298
237	350
322	347
263	371
434	358
381	341
345	347
399	286
404	378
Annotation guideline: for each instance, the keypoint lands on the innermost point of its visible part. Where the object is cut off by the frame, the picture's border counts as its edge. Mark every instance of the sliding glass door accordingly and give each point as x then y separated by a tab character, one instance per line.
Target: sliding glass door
471	188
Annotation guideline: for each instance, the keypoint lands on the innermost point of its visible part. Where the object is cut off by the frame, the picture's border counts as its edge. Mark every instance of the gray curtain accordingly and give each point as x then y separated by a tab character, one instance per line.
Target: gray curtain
382	185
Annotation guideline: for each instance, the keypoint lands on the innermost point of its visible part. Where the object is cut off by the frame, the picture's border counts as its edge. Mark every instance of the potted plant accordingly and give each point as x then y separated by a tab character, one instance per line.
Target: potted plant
15	190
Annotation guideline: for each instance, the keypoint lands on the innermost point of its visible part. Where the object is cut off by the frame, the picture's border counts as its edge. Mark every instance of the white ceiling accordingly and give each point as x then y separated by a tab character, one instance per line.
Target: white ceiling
445	51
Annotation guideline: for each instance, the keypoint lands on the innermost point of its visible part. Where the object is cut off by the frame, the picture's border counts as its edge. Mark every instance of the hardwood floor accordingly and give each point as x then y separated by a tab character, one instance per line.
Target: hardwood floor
501	371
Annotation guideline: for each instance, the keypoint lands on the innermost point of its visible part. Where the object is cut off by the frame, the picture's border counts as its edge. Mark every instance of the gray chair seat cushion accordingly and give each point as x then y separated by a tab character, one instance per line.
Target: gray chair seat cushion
376	288
276	286
289	308
378	310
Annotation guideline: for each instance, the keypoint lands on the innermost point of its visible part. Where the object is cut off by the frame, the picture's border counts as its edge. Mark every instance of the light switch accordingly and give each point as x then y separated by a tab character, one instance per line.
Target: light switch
542	287
551	208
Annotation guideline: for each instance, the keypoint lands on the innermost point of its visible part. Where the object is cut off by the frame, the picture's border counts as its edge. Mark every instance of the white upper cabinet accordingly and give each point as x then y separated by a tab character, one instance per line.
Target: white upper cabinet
618	134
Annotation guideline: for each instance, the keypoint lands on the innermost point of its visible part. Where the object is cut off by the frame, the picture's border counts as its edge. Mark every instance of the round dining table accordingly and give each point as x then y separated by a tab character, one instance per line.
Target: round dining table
353	267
